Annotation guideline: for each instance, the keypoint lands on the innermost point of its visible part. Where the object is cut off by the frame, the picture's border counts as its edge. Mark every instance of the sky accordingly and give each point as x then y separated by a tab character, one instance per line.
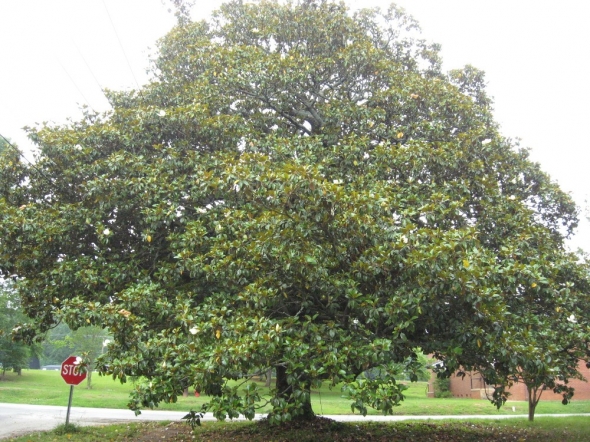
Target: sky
58	55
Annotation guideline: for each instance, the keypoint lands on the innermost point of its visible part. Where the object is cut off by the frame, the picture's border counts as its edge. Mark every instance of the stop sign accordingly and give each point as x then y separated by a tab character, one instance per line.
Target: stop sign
70	370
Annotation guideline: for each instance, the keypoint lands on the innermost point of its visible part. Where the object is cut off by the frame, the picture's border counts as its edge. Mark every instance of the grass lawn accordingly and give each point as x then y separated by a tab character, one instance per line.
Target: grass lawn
37	387
569	429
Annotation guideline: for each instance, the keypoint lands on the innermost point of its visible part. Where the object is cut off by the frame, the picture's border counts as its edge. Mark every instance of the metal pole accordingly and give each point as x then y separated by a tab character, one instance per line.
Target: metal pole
69	405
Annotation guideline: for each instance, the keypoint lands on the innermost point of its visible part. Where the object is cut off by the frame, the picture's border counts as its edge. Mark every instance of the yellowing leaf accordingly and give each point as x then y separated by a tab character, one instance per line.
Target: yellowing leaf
218	333
479	343
125	313
149	238
466	263
534	284
400	135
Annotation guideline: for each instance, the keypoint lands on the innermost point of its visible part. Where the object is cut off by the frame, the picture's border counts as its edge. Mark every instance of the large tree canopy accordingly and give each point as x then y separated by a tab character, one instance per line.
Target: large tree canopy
299	188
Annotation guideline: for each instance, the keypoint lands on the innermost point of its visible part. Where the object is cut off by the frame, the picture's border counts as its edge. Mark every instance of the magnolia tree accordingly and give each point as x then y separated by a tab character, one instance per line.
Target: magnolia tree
299	188
545	340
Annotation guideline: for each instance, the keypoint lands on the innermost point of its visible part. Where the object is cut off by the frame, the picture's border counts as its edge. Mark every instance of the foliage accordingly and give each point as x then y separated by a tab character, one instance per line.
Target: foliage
3	144
442	388
10	160
549	430
55	345
40	387
66	429
13	355
182	10
548	335
299	188
88	342
193	419
416	368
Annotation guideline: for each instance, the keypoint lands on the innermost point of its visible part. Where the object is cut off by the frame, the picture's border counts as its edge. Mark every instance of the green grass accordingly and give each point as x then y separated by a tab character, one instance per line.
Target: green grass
578	424
102	433
569	429
47	388
38	387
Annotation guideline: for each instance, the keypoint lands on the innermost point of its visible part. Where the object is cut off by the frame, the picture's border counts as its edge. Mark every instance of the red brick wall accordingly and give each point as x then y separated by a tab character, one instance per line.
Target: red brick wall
471	386
461	386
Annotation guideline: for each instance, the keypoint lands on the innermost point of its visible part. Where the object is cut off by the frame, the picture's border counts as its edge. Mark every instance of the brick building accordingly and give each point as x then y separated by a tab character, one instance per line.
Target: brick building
472	386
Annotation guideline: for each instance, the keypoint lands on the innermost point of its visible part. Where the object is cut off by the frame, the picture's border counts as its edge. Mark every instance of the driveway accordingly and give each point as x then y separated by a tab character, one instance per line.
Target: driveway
19	419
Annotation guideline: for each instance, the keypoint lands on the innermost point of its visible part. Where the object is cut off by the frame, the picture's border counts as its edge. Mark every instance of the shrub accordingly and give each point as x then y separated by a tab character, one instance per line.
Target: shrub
442	388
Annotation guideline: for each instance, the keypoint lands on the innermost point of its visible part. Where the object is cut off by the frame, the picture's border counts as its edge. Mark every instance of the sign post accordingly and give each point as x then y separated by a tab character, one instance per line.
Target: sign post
71	373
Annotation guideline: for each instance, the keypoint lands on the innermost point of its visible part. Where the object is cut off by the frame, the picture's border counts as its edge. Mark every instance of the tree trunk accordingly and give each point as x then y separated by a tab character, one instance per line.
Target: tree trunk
533	400
282	385
286	391
89	379
532	407
268	377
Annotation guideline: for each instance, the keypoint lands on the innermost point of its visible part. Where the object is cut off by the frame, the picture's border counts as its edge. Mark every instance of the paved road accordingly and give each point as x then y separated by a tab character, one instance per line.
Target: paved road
19	419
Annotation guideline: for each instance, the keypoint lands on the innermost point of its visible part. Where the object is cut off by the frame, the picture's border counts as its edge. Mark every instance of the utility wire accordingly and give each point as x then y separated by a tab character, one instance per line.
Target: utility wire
87	66
120	44
33	166
75	85
18	151
42	174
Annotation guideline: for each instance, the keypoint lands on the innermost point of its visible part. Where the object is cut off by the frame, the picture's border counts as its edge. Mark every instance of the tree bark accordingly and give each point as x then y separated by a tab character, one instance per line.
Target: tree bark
89	379
533	401
532	407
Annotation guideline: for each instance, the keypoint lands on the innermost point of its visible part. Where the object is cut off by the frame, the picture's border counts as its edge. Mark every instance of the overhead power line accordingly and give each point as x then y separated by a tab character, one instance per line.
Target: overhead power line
120	44
75	85
87	65
36	169
33	166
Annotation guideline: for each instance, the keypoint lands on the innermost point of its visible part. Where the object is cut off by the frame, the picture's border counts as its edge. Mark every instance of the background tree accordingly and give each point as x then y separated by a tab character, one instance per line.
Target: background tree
3	144
13	355
299	188
11	169
547	342
182	9
55	348
88	342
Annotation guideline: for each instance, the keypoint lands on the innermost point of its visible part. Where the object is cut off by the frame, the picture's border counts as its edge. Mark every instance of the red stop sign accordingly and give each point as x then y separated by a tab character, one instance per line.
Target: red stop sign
70	370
